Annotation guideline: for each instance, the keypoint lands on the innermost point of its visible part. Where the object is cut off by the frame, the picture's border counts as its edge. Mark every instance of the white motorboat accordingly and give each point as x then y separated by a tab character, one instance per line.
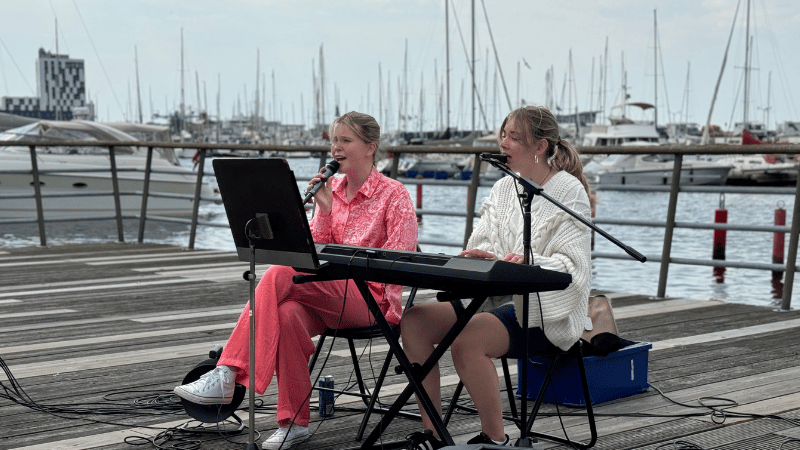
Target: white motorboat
788	132
758	170
623	130
648	169
768	169
85	170
655	169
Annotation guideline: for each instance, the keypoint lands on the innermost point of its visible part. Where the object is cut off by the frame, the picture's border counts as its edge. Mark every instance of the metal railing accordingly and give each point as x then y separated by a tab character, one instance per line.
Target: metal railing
674	189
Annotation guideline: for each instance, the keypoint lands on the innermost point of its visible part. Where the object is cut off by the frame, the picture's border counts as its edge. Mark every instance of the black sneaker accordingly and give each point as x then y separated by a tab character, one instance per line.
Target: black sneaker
423	441
484	438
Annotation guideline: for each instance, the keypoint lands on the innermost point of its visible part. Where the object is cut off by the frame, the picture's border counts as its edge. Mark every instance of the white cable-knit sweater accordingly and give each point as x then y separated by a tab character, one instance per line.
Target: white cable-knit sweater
558	241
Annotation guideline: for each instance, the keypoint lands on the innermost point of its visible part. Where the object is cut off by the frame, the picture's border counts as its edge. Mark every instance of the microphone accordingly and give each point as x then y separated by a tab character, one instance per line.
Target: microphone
330	169
494	157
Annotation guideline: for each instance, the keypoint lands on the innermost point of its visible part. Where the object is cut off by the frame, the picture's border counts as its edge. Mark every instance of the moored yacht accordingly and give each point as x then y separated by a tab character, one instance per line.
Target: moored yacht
648	169
85	170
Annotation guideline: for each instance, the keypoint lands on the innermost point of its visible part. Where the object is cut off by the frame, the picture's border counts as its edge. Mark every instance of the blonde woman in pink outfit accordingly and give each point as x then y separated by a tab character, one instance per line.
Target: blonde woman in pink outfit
362	208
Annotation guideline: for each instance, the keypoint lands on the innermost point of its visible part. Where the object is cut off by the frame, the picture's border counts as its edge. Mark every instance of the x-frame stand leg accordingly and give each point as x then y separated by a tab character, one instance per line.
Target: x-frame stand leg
415	373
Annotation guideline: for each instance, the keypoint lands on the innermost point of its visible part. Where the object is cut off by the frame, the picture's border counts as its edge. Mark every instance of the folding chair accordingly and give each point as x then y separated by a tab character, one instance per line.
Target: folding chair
575	352
363	333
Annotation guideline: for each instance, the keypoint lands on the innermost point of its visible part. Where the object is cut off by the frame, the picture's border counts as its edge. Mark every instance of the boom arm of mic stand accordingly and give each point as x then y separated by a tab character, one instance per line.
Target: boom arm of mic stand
534	189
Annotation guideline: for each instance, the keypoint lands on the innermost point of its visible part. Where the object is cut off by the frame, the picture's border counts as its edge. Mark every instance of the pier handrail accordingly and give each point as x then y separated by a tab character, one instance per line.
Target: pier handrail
670	224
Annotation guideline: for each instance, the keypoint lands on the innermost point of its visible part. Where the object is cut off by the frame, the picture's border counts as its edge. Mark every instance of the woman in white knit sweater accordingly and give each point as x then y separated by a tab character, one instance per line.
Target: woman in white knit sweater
529	137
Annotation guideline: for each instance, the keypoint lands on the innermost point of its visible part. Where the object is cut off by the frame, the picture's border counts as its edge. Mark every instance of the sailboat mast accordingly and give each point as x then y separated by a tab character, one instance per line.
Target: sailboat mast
496	56
624	87
472	71
219	113
321	86
767	109
58	82
686	93
476	165
447	59
380	95
747	67
605	80
183	103
276	116
655	67
404	109
138	91
421	101
257	106
706	129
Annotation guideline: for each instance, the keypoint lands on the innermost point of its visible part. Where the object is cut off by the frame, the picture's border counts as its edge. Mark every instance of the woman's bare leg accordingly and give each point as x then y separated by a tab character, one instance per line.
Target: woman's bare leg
483	339
422	327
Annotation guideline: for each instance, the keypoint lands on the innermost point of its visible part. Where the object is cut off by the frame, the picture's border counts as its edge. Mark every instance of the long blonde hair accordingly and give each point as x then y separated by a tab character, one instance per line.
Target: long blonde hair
537	122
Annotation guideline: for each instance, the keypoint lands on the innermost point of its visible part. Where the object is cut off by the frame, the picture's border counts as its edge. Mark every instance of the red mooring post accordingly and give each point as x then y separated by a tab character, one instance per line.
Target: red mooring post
778	240
720	216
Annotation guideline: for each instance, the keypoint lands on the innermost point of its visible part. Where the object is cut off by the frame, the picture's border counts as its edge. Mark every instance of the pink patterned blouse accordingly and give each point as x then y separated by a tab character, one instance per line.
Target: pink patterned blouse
380	215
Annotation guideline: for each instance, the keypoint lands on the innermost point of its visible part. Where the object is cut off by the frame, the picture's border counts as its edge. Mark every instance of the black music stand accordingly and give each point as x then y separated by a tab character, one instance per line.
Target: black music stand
265	189
269	225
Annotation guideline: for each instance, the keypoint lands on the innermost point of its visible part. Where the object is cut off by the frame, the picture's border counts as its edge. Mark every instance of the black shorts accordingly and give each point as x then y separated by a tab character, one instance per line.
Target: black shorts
538	343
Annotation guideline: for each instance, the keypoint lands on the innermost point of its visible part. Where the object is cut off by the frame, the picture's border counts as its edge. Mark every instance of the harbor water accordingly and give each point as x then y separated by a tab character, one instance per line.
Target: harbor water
736	285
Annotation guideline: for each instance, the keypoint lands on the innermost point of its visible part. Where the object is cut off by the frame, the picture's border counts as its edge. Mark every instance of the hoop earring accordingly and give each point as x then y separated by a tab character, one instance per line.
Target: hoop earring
536	158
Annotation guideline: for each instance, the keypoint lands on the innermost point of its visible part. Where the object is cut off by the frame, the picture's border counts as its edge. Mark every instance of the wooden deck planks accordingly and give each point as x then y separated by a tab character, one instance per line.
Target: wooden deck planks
80	322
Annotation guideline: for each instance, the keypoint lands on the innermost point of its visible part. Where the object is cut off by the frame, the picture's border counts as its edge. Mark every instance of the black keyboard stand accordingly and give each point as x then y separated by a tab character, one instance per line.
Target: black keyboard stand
414	372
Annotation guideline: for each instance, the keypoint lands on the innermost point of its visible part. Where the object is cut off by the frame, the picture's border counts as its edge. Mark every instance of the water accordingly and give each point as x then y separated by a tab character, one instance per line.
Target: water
698	282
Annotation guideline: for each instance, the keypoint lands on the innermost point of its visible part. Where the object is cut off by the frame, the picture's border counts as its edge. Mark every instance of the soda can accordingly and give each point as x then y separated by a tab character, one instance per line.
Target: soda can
326	396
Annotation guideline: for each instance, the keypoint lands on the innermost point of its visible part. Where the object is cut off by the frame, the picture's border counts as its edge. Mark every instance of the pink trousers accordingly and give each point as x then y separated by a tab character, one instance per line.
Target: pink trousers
287	316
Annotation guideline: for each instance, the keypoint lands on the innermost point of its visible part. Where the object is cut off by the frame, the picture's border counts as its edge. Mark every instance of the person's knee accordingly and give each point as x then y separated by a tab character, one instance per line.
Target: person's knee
410	321
467	346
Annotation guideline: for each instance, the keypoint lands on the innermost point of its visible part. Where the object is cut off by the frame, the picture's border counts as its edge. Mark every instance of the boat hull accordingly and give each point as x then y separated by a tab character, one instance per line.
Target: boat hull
84	188
689	177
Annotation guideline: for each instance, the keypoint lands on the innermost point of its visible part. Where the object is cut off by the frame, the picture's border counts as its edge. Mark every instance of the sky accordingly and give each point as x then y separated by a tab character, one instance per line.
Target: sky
588	49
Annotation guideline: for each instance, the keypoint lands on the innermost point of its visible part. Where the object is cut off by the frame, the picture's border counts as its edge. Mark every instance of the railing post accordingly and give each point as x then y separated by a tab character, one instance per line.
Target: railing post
197	189
322	159
473	193
145	192
395	165
115	186
791	258
37	189
670	225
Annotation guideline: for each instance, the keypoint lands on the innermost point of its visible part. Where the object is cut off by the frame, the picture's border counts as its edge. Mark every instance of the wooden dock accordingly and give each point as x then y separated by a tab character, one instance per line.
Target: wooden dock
94	337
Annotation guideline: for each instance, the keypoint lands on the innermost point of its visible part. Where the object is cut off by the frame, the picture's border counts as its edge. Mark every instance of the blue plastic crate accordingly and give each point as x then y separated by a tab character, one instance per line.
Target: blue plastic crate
619	374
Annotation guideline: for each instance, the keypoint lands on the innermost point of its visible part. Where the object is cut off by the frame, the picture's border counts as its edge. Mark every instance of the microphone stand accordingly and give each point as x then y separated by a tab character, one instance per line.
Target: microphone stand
250	276
531	189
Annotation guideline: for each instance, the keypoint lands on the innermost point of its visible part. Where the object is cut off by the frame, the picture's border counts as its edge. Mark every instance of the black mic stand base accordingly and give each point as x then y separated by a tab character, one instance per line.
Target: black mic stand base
528	442
382	445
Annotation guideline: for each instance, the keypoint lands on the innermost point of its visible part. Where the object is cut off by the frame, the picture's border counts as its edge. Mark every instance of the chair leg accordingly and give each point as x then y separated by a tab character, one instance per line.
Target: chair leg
509	390
512	402
375	392
369	399
361	388
316	353
453	403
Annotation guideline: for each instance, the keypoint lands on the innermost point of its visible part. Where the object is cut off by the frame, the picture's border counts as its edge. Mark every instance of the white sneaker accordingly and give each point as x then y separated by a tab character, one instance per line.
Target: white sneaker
212	388
285	437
